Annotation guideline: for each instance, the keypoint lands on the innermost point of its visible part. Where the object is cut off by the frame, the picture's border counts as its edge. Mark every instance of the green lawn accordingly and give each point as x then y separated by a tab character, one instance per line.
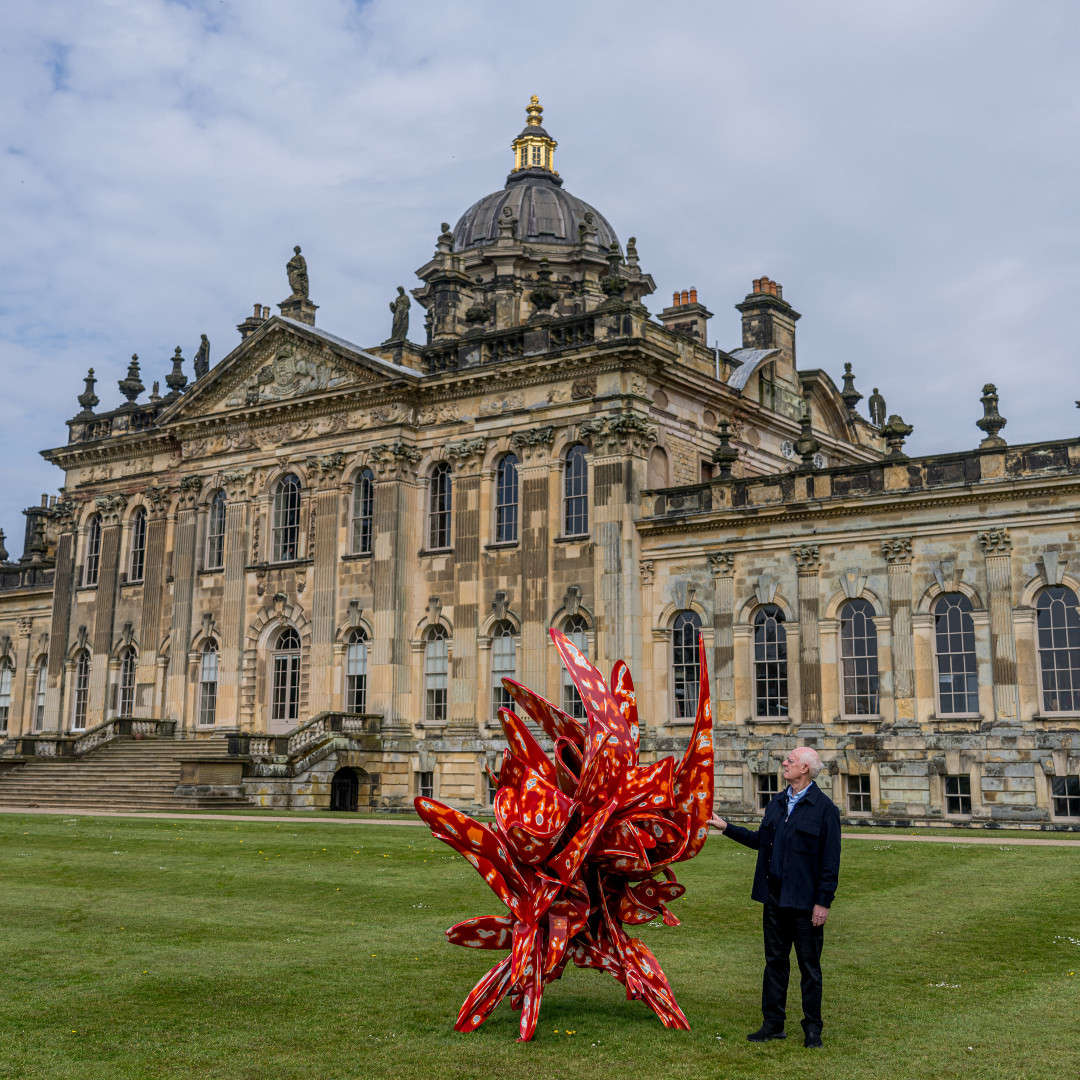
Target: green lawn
141	948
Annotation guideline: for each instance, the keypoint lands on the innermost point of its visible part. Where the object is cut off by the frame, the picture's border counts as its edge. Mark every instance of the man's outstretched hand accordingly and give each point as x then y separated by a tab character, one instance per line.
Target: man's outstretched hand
717	822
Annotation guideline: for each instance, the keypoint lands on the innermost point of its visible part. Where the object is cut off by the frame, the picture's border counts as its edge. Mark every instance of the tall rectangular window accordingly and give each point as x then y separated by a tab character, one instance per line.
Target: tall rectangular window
858	650
576	629
93	552
5	694
215	533
425	785
208	682
436	670
363	512
957	670
127	683
356	658
958	795
576	492
503	666
39	696
686	663
770	662
286	527
138	546
439	508
80	691
506	500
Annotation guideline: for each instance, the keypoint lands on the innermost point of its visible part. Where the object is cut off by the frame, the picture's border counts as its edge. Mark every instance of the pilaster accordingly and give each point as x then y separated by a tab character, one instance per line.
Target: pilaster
808	562
466	457
997	547
110	507
237	486
183	586
394	467
897	553
150	632
60	622
533	448
722	565
325	474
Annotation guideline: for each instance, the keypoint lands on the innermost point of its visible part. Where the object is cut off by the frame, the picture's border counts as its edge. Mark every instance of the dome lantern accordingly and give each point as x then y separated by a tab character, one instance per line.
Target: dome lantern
534	148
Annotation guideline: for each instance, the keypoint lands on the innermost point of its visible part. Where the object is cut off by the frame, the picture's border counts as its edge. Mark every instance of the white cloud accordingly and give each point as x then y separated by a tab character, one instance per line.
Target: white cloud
905	170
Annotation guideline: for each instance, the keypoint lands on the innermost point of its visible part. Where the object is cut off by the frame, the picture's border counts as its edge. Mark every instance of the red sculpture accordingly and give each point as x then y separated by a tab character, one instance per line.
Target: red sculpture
578	844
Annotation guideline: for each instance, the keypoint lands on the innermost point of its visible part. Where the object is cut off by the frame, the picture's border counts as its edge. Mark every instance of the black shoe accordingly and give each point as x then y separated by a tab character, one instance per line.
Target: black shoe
764	1033
813	1040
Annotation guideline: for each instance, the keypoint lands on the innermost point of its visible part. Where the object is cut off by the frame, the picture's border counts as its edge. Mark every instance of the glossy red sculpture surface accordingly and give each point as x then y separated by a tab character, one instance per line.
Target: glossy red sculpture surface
582	844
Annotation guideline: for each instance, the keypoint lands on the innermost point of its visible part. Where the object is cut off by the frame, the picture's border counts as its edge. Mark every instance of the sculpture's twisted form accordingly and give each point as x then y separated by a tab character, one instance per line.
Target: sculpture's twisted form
578	844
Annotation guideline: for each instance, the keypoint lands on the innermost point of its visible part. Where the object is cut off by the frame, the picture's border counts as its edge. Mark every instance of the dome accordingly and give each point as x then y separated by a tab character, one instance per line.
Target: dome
546	214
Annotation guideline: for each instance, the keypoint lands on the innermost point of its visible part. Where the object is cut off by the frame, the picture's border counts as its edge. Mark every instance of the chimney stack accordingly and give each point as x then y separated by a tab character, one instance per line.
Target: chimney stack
768	322
686	315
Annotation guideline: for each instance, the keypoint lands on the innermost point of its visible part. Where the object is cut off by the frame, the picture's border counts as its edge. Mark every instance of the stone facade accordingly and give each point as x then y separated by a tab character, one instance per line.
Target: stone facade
551	456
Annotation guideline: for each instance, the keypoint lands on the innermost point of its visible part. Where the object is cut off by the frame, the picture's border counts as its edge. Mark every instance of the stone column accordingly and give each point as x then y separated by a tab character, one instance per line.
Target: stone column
466	458
533	449
897	552
237	486
21	713
150	629
617	446
647	706
722	565
394	558
325	474
808	561
183	587
110	508
997	546
60	621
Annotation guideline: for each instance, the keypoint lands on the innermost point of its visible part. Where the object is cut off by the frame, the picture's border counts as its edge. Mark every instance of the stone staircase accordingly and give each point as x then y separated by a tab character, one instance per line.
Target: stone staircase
125	775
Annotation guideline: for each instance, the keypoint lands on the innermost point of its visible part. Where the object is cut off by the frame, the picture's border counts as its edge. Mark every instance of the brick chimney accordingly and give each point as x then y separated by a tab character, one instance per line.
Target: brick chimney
687	316
768	322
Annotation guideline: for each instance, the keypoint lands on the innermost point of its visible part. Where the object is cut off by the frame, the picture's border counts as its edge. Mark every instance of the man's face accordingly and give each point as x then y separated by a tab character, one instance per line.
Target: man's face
794	768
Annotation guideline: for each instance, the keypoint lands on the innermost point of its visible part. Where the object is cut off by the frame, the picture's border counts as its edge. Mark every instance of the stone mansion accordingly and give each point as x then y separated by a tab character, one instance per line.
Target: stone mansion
316	561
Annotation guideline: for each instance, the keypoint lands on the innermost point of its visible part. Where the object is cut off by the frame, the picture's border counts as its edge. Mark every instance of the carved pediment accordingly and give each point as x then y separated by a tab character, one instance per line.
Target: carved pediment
275	365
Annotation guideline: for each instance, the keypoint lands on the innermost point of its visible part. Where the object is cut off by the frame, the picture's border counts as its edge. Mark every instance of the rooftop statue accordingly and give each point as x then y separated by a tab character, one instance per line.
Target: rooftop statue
202	357
400	308
296	268
877	408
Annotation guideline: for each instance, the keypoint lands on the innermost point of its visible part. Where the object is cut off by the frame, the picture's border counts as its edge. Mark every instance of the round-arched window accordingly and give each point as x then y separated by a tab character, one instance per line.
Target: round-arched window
686	662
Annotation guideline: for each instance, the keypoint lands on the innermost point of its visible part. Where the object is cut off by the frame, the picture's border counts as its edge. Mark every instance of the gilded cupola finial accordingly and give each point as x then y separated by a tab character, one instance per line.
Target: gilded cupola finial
534	148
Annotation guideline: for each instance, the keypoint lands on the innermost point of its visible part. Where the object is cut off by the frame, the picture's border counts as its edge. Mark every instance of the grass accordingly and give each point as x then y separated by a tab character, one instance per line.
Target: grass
188	948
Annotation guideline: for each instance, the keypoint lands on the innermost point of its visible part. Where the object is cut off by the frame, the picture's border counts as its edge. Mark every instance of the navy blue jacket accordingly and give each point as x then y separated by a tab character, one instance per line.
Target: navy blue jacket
811	849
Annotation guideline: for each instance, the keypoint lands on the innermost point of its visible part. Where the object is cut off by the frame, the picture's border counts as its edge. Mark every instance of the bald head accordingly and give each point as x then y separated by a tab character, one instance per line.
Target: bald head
808	756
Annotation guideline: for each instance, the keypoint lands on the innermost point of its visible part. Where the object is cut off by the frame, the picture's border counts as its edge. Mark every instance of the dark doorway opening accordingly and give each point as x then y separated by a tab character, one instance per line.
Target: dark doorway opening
345	790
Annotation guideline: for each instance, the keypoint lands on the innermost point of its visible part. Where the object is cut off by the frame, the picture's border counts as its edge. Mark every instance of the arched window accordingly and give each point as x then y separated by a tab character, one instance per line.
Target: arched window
5	693
436	669
363	512
208	679
1059	649
287	519
39	694
215	533
954	631
858	654
137	569
439	508
770	662
503	666
126	702
285	704
686	662
577	630
93	551
80	691
576	492
356	656
506	500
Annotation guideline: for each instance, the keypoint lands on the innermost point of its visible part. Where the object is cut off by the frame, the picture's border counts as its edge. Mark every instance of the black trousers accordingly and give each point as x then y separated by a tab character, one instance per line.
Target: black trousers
784	927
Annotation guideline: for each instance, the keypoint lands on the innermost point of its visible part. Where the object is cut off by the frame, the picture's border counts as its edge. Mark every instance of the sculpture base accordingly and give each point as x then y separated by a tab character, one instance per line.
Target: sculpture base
299	308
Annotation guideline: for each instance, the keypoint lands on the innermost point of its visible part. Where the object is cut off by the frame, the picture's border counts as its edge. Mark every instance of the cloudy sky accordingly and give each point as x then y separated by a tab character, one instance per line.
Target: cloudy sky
906	169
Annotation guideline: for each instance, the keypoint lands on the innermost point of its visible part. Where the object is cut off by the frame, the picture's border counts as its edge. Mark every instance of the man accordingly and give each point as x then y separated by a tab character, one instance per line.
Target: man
798	864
